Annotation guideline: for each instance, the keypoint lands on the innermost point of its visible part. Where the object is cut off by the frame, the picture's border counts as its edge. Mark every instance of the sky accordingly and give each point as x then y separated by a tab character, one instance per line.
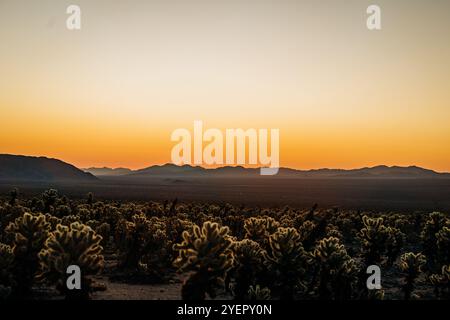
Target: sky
112	93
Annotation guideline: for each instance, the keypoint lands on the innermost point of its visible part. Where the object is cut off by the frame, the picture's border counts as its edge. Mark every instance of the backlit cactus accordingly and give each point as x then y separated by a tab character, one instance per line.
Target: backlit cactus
394	244
287	261
158	256
443	245
260	229
207	251
373	237
257	293
102	229
6	265
78	245
337	271
441	283
435	222
249	258
411	265
139	238
49	197
30	233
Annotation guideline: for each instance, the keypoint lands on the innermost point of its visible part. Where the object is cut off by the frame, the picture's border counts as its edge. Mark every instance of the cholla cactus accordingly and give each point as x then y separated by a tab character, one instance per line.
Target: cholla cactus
49	197
394	244
157	258
306	230
62	210
287	261
443	245
176	227
6	265
207	252
9	214
373	236
337	270
68	220
258	293
138	238
236	225
411	264
441	283
260	229
111	215
249	257
102	229
436	221
52	220
30	233
333	231
78	245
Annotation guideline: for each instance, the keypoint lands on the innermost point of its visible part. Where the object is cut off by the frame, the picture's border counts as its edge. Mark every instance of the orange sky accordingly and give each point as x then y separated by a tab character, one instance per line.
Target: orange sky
112	93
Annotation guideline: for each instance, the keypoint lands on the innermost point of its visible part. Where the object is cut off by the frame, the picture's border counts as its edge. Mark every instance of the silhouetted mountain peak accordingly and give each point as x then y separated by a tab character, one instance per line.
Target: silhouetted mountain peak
16	167
105	171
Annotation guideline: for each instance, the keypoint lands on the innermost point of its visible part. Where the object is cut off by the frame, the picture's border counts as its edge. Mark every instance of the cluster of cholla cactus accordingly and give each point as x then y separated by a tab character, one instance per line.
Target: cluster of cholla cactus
9	214
441	283
74	245
142	244
411	265
249	258
101	228
207	252
50	197
429	235
373	237
158	256
30	233
336	270
260	229
394	244
6	265
233	251
287	261
443	245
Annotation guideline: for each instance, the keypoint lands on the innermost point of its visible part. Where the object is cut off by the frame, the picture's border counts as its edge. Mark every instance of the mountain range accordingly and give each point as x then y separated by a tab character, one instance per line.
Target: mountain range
16	167
381	171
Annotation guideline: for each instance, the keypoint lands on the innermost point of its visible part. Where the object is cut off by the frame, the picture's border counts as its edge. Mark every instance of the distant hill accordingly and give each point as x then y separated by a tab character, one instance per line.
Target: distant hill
108	171
239	171
370	172
169	169
14	167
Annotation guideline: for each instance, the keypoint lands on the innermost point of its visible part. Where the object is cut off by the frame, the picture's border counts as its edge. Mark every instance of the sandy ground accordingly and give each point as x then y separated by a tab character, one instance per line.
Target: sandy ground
125	291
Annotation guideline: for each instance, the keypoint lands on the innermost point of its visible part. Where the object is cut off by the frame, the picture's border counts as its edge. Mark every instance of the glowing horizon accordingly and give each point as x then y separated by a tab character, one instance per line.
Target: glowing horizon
341	96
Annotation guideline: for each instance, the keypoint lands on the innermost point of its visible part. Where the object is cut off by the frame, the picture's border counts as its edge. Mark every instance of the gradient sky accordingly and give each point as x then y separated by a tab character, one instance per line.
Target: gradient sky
341	95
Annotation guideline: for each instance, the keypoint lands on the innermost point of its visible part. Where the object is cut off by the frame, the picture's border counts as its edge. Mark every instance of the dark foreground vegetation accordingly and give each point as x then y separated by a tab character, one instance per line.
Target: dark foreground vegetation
219	251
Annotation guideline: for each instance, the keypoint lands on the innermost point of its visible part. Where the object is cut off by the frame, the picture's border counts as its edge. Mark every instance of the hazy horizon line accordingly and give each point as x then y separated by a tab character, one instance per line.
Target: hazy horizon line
224	166
258	167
